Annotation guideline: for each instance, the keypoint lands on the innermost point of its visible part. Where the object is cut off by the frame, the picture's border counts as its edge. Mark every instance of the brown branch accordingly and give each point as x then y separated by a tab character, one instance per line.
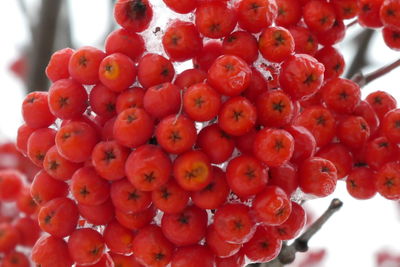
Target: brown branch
359	60
300	244
351	24
363	80
43	46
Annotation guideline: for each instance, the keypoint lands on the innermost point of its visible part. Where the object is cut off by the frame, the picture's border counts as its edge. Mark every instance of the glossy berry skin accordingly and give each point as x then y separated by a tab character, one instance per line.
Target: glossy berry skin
391	125
320	122
103	101
215	143
67	99
340	155
9	238
365	110
118	238
368	15
189	257
181	6
36	111
241	44
205	58
10	185
273	147
133	127
137	220
255	19
391	37
341	95
57	68
380	151
333	61
319	15
125	42
51	251
162	100
389	13
229	75
176	134
151	247
58	217
305	41
285	177
88	187
293	225
181	41
44	188
220	247
58	167
131	98
134	16
117	71
361	183
237	116
170	197
24	131
237	260
185	228
75	141
127	198
234	224
345	9
25	202
317	176
276	44
246	176
263	246
154	69
215	19
189	77
97	215
86	246
84	65
108	158
274	108
289	12
353	131
148	167
301	76
125	261
388	181
192	170
258	85
214	194
272	206
39	142
304	143
334	35
201	102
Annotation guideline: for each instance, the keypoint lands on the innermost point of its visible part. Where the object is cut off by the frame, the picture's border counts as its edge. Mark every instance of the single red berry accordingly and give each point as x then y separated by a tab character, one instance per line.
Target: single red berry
58	217
341	95
391	126
255	15
305	41
29	231
229	75
368	14
67	99
133	15
210	52
276	44
333	61
361	183
332	36
148	167
220	247
170	197
381	102
285	177
181	41
190	257
237	116
317	176
151	248
57	68
36	111
301	76
118	238
154	69
181	6
58	167
75	141
390	13
133	127
162	100
319	15
117	72
125	42
86	246
97	215
264	246
15	259
292	227
23	134
241	44
39	142
84	65
137	220
234	224
103	101
9	237
215	19
273	147
88	187
44	188
353	131
258	85
289	12
10	185
128	198
391	36
304	143
56	247
365	110
380	151
190	77
131	98
25	202
388	181
345	9
340	156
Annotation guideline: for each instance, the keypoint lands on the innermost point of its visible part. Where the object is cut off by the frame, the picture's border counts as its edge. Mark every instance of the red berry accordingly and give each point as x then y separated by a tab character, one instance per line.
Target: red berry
44	188
57	68
368	15
39	142
241	44
388	181
237	260
210	52
391	36
220	247
333	61
365	110
276	44
353	131
292	227
10	184
361	183
15	259
181	6
340	156
9	237
36	111
58	167
319	15
190	257
381	102
305	41
255	15
170	197
390	13
86	246
289	12
285	177
131	98
190	77
154	69
97	215
135	221
128	198
345	9
380	151
162	100
118	238
56	247
133	15
263	246
304	143
125	42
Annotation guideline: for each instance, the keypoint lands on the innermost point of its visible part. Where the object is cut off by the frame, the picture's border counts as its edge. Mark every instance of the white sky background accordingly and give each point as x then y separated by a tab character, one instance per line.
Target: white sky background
352	236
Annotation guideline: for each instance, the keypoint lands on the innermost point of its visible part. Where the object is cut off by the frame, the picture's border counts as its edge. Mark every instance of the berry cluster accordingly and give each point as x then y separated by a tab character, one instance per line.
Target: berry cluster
19	229
198	168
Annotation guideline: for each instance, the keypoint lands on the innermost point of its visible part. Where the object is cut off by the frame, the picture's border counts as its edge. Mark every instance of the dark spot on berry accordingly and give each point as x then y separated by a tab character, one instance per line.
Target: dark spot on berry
231	39
149	177
279	145
136	9
63	101
309	79
395	35
133	195
366	8
279	39
281	11
31	100
238	224
165	72
377	100
215	27
198	102
264	244
131	118
109	68
397	124
278	106
353	183
250	173
237	115
194	173
165	194
184	219
209	187
175	39
83	61
229	67
159	256
321	120
389	182
153	141
175	137
390	13
109	155
84	192
110	107
325	169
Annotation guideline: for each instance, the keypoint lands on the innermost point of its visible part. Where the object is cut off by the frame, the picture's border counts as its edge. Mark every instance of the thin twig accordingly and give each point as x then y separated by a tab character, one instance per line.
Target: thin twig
363	80
351	24
360	59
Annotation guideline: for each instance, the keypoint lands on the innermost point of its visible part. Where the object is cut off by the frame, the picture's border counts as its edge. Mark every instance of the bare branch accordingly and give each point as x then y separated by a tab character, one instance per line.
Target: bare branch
363	80
351	24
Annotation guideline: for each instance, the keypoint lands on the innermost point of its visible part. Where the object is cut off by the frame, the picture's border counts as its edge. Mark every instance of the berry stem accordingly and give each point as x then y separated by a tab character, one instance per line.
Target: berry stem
354	22
300	244
363	80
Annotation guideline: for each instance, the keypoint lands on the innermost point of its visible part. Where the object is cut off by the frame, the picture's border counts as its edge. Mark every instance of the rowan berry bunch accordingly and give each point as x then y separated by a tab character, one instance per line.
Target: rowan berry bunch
199	168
